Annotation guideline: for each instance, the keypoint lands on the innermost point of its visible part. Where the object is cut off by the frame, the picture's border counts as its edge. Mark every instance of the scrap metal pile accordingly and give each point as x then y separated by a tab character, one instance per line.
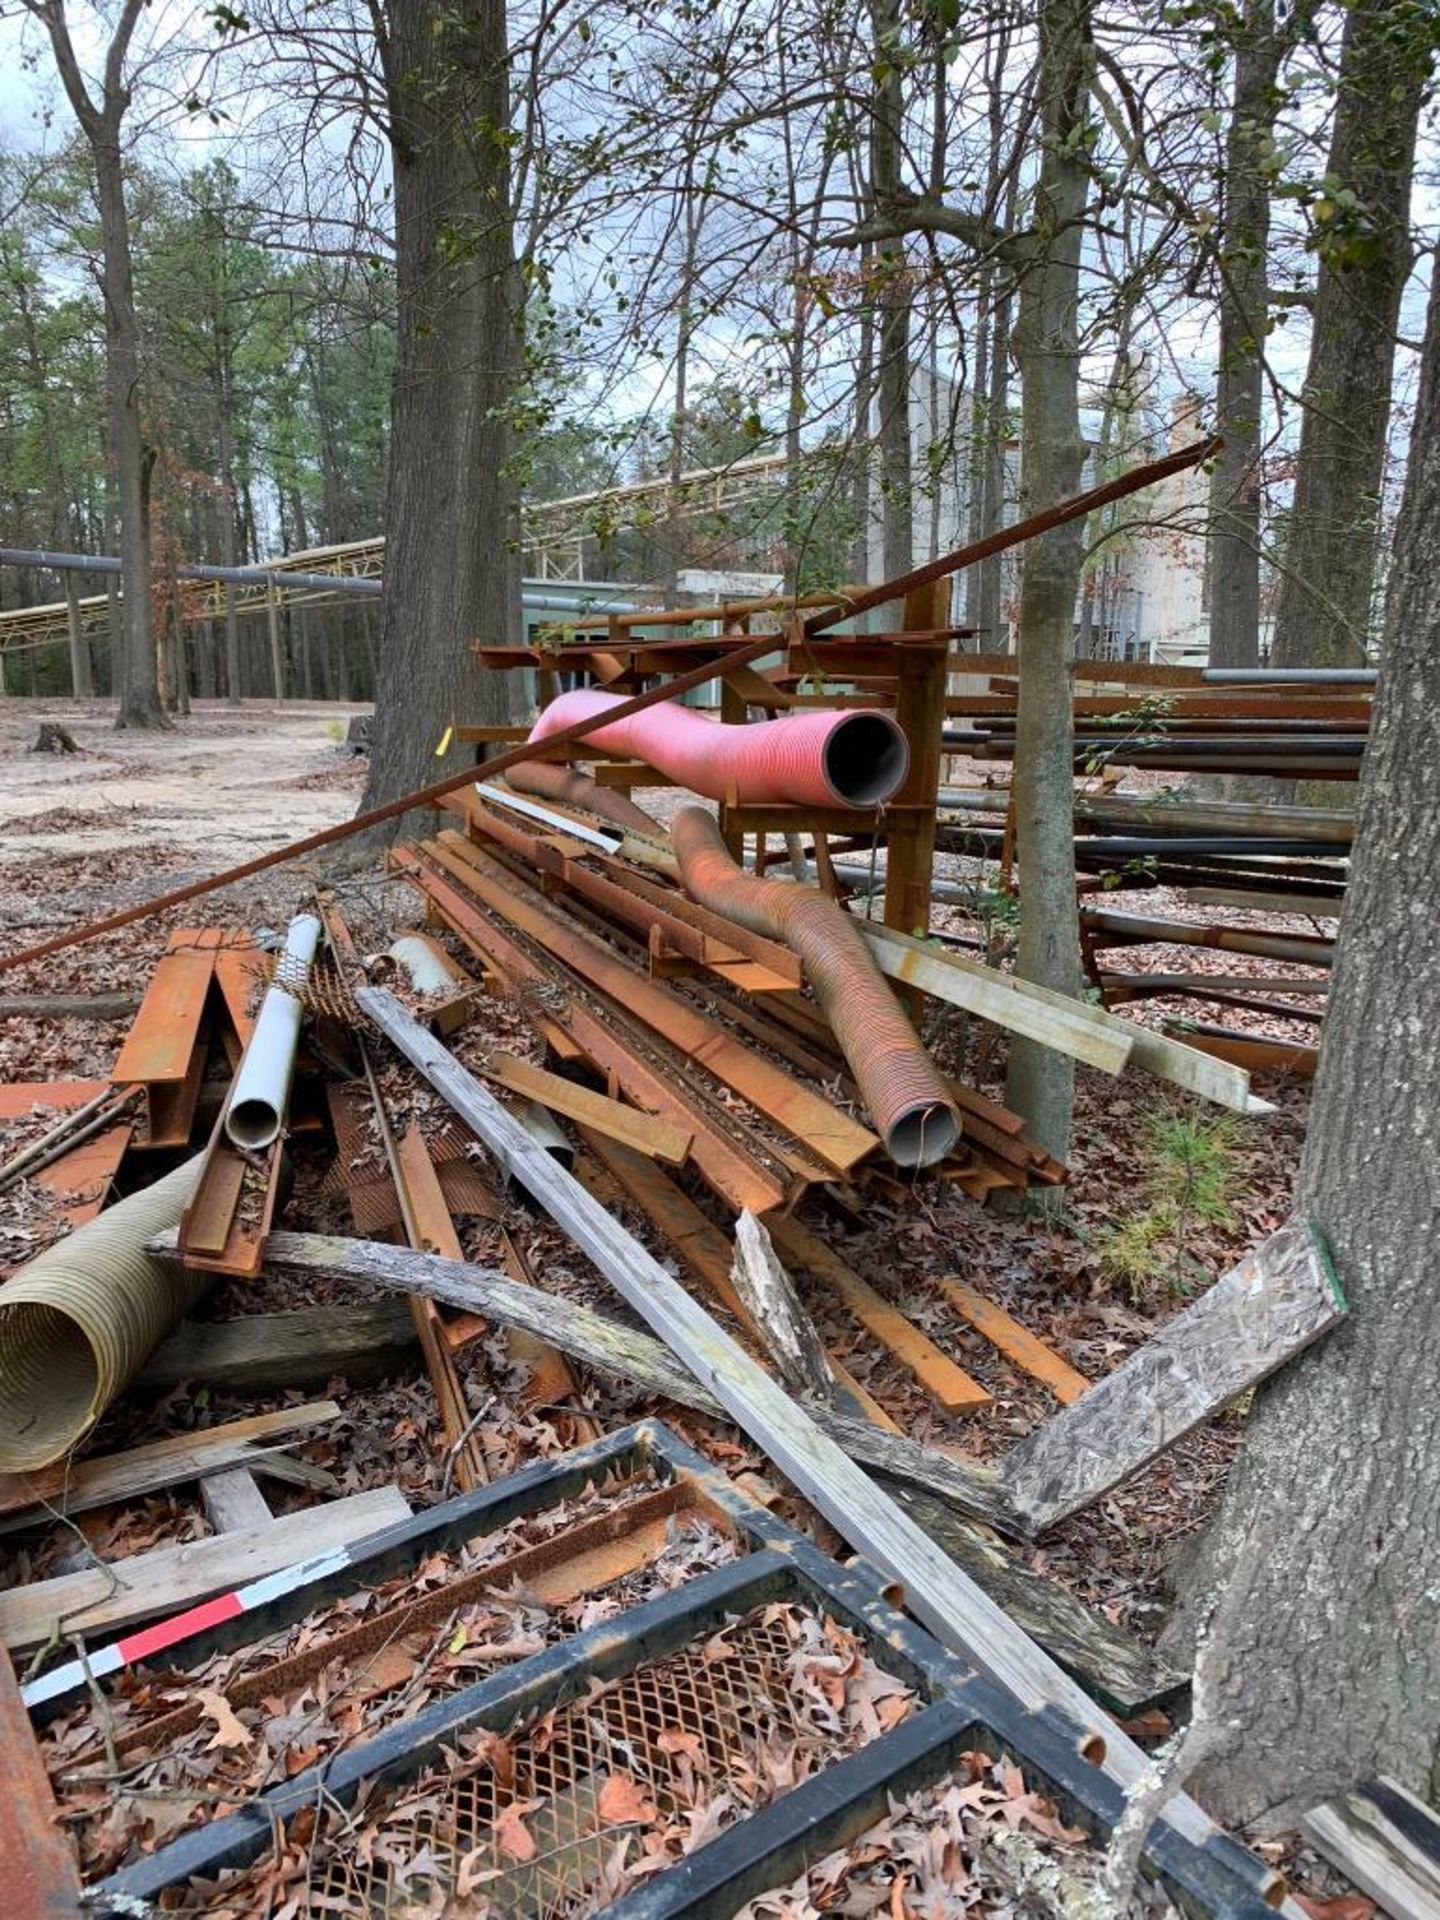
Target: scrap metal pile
723	1057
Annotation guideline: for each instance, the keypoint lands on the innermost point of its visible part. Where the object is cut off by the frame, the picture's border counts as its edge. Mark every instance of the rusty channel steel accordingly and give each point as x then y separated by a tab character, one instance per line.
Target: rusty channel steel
839	1141
42	1881
637	1527
729	1168
709	943
616	1042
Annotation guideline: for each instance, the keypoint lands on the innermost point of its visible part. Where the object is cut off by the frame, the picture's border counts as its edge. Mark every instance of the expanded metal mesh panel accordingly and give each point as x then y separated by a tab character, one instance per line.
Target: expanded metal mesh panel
541	1825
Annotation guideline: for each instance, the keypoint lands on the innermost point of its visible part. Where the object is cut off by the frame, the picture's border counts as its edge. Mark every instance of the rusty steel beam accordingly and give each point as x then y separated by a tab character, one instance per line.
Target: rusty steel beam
735	1174
840	1142
42	1881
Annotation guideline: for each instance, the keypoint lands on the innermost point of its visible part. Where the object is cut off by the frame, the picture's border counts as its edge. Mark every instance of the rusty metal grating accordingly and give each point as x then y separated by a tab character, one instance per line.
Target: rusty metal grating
536	1825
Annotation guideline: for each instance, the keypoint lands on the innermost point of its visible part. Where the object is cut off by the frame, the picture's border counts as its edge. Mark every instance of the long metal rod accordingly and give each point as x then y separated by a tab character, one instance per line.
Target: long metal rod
241	576
1075	508
377	816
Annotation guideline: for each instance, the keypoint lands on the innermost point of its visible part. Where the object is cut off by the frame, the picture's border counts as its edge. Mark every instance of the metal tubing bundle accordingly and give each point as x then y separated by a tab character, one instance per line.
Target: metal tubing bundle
857	758
904	1094
255	1112
78	1323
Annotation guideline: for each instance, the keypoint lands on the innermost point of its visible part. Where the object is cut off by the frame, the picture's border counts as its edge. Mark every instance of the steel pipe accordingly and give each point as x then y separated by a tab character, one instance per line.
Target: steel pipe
904	1093
78	1323
853	758
255	1111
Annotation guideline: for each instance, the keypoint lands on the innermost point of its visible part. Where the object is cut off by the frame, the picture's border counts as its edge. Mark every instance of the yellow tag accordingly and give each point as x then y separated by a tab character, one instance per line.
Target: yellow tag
460	1639
444	746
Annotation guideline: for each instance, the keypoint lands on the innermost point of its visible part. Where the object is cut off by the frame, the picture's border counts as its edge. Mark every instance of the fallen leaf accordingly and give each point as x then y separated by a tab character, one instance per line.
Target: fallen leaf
512	1836
621	1802
229	1730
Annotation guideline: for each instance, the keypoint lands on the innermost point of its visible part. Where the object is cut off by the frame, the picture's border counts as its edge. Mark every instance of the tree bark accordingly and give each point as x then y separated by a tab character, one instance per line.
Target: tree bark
891	275
449	579
1322	1660
1244	305
1324	615
1041	1083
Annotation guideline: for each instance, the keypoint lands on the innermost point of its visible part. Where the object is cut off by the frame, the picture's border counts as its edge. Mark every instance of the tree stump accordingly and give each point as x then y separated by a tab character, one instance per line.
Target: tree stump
357	734
53	738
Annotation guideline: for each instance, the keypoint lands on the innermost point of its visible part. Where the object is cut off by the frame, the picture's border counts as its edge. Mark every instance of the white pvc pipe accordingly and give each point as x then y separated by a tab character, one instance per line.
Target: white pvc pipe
255	1111
429	969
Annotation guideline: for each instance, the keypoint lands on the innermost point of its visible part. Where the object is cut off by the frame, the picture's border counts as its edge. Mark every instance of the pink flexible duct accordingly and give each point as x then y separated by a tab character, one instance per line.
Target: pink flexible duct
899	1083
574	789
810	759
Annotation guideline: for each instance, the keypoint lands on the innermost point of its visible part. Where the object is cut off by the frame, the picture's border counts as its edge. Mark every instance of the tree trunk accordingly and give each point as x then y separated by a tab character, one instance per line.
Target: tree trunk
448	579
1323	618
1322	1661
1244	305
891	275
1041	1082
130	458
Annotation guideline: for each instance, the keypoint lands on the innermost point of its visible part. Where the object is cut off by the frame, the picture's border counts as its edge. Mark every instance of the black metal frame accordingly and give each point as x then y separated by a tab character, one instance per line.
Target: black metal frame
963	1711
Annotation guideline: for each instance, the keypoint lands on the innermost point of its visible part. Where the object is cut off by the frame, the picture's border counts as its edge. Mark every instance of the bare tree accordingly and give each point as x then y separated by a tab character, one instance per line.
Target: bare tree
101	121
1362	223
1041	1082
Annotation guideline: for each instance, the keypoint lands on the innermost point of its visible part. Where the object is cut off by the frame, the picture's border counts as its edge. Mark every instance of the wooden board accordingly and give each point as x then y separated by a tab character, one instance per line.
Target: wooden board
167	1578
1017	1343
304	1348
935	1371
1069	1026
704	1249
1387	1842
77	1486
1280	1298
646	1133
955	1608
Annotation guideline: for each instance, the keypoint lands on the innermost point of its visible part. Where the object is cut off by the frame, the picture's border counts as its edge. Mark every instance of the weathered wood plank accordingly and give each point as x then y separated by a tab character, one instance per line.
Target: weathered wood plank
1091	1034
1122	1673
79	1486
598	1341
1282	1296
1067	1025
297	1349
1387	1842
123	1591
232	1501
954	1607
775	1311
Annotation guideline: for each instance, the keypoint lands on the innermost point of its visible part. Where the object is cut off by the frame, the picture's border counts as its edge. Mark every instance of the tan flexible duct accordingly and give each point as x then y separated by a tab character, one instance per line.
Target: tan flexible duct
551	782
78	1323
906	1098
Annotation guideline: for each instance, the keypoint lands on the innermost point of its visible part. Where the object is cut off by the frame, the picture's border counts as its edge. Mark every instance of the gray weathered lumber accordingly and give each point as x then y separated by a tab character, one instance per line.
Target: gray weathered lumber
73	1486
598	1341
299	1349
117	1593
776	1311
232	1501
1282	1296
944	1598
1120	1671
1387	1842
